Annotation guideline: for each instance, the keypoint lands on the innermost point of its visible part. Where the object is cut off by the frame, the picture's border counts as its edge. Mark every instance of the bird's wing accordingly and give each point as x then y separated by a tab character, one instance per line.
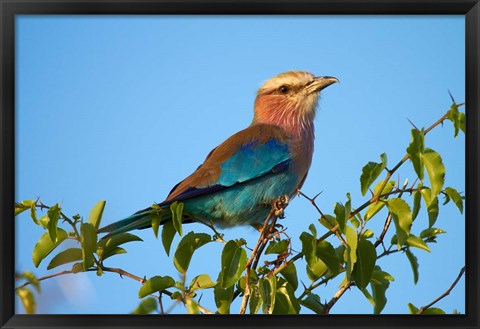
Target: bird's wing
249	154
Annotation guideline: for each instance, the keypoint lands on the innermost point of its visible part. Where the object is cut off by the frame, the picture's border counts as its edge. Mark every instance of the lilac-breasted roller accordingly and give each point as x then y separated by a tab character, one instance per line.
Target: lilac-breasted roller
242	177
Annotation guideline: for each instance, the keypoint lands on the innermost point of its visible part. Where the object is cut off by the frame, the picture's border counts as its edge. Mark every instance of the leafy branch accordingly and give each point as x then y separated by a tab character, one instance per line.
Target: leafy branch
427	309
272	286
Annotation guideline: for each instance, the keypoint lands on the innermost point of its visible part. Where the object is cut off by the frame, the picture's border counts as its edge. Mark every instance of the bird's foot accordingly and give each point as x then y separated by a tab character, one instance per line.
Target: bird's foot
279	206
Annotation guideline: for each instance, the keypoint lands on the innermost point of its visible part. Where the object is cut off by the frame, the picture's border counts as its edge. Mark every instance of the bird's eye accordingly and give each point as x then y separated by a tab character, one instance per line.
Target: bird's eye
283	89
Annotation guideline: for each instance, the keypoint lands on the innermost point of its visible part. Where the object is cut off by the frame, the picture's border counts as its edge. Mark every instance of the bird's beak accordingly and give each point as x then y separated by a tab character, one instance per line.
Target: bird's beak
319	83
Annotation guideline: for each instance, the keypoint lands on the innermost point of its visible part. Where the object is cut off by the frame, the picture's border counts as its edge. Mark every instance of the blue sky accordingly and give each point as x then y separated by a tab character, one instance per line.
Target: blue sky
121	108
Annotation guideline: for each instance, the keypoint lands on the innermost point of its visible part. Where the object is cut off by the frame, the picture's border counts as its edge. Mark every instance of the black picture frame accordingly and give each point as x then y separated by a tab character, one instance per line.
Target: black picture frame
10	8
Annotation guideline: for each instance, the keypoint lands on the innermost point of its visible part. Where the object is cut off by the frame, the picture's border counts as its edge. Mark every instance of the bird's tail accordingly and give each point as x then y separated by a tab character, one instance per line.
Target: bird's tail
140	220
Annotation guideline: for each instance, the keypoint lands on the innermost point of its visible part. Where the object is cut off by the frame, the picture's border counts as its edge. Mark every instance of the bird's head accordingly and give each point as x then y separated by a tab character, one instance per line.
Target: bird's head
289	96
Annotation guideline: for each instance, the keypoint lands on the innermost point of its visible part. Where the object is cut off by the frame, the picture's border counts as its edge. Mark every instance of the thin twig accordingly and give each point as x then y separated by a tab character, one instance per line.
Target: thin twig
49	277
160	303
336	297
315	285
312	201
389	251
384	231
445	294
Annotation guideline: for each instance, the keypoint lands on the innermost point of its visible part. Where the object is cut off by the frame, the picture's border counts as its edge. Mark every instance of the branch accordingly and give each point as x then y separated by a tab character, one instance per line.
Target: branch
41	205
389	251
336	297
129	275
445	294
315	285
49	277
254	255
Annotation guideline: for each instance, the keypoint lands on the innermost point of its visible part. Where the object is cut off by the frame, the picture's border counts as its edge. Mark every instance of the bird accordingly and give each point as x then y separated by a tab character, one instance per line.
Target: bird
241	177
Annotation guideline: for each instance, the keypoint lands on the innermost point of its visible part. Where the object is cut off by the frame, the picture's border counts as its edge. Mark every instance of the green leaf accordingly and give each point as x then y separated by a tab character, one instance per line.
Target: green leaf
255	300
340	251
290	274
65	257
433	310
367	234
432	205
308	247
30	277
275	247
24	205
416	204
168	233
268	287
315	266
461	121
78	267
45	246
106	245
351	251
155	284
113	252
327	254
176	295
375	207
355	220
413	263
177	212
312	301
95	216
186	247
27	299
192	306
402	216
89	243
156	219
453	115
366	257
33	213
456	197
234	258
380	283
416	242
348	209
416	150
367	295
53	215
431	232
201	281
223	297
340	216
435	170
285	300
146	306
412	308
328	221
44	221
370	173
